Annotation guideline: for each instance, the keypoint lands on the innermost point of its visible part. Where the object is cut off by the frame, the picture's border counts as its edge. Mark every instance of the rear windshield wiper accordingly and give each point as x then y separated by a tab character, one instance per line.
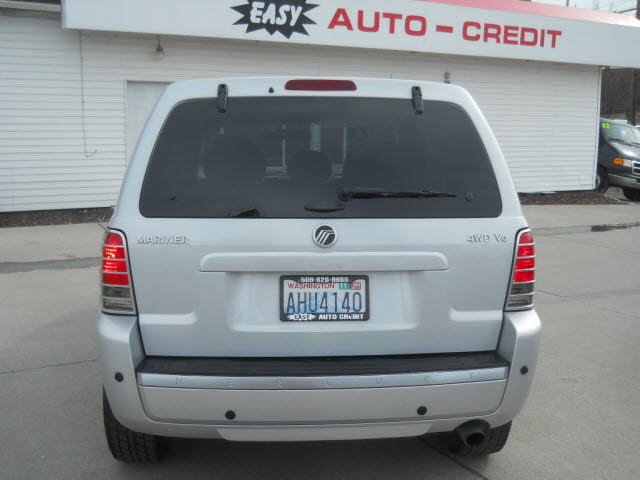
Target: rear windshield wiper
347	193
323	206
244	213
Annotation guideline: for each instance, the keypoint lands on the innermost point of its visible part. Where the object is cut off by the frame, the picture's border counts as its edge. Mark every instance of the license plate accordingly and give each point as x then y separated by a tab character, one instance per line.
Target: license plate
307	298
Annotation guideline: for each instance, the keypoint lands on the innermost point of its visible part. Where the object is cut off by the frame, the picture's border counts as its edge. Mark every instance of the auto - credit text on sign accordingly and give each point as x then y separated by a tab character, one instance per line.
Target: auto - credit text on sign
289	16
418	25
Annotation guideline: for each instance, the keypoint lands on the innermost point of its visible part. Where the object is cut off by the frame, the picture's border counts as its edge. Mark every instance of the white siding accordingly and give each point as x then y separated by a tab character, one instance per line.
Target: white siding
543	114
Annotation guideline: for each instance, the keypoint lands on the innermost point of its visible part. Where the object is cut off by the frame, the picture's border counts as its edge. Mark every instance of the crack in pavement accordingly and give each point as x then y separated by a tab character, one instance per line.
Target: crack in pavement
454	459
602	293
586	299
589	295
593	244
549	293
49	366
610	309
584	229
66	264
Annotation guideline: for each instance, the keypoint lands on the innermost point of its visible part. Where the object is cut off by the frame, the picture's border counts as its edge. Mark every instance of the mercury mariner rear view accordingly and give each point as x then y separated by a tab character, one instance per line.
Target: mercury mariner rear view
301	259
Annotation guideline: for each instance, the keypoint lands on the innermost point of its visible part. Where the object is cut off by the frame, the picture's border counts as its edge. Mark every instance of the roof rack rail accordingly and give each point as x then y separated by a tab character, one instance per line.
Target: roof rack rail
418	104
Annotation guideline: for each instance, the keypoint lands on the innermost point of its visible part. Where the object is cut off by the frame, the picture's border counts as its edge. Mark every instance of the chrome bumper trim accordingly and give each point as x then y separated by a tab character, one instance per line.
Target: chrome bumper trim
617	180
322	383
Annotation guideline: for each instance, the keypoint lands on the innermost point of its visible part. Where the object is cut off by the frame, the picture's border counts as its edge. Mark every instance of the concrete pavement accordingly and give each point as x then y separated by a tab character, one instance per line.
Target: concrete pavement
50	243
581	421
555	216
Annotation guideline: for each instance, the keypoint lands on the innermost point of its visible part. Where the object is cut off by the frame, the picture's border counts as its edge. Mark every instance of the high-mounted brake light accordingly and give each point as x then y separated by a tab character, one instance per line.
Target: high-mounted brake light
116	289
523	273
321	85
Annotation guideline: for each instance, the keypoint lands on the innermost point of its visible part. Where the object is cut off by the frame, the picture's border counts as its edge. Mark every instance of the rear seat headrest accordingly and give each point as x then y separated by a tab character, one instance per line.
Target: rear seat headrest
310	165
385	164
234	158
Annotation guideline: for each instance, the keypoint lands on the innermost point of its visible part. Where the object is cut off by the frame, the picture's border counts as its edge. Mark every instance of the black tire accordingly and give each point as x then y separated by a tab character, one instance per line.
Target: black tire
129	446
495	440
602	180
631	194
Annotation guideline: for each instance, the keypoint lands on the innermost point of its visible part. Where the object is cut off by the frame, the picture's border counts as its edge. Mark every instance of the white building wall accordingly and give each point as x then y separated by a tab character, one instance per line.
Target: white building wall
543	114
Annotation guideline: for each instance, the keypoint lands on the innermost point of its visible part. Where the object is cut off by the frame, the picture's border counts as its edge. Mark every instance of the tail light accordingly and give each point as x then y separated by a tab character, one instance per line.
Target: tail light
117	289
523	274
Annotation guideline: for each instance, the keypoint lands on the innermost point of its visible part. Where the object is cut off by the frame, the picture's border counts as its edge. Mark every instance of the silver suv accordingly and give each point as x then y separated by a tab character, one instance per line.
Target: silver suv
315	259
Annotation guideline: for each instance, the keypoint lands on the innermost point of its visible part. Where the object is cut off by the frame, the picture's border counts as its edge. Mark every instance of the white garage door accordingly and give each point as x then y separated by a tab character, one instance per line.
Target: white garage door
141	98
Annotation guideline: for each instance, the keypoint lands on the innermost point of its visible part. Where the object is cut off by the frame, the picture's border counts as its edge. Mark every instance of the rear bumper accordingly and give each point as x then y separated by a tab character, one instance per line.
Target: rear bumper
321	407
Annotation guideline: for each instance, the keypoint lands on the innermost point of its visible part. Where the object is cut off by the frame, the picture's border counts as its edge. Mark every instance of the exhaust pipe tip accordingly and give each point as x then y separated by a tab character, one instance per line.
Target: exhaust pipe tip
473	434
475	439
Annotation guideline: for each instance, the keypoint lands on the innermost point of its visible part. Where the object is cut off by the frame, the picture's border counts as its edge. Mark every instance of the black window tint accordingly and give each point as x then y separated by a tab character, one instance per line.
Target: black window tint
271	156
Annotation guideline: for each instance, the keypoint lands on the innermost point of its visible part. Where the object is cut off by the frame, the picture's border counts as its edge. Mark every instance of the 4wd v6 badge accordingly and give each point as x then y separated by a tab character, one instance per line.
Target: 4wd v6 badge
284	16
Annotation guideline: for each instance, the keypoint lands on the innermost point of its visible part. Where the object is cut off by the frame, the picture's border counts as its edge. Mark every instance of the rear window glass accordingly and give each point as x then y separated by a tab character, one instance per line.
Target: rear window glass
293	157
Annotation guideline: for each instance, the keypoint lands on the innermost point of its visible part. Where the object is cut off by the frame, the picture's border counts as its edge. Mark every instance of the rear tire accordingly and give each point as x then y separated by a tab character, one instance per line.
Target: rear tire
129	446
602	180
631	194
495	440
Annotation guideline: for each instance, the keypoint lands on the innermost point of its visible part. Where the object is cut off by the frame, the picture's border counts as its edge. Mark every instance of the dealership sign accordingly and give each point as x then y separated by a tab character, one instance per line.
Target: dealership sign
489	28
283	16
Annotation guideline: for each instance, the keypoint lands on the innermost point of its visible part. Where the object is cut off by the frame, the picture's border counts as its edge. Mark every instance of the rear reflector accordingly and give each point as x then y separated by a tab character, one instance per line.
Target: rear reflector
526	237
521	292
117	290
525	251
114	239
114	279
114	266
113	253
321	85
526	276
525	263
